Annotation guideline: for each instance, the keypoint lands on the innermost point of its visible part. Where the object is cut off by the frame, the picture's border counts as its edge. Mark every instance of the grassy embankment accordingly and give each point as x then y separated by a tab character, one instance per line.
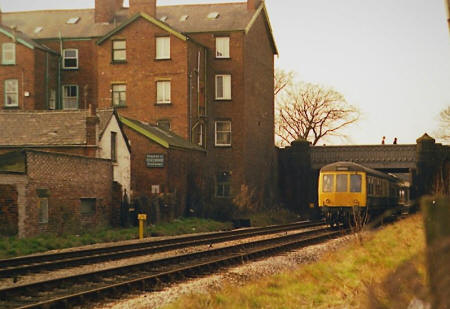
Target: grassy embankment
12	246
385	270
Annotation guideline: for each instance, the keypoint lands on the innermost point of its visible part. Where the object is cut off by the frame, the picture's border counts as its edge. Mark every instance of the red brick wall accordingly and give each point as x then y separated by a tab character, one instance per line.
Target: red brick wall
45	79
23	71
140	73
259	110
86	74
67	179
180	166
82	151
8	209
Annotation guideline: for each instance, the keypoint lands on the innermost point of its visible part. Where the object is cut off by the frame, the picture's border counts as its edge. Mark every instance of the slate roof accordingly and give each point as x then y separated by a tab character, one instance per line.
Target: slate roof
166	139
47	128
23	38
232	17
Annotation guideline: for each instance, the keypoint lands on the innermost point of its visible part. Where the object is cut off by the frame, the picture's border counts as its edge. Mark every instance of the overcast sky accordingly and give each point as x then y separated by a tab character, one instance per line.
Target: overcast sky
391	58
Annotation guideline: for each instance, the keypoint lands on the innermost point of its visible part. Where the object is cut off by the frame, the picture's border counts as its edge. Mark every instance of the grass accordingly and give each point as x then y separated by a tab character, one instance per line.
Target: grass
384	270
13	246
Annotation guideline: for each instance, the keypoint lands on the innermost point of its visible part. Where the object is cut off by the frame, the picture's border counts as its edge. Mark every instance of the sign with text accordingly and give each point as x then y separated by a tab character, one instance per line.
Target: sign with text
155	160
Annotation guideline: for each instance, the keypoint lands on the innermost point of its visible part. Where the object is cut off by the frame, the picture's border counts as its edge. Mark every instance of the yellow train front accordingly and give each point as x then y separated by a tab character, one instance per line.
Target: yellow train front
348	191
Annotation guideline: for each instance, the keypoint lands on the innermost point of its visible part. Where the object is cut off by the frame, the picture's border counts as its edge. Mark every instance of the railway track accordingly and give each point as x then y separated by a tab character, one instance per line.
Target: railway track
12	268
78	289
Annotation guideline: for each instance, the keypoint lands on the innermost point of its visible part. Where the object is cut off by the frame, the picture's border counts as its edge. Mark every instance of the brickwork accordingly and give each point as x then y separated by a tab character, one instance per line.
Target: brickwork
67	179
140	82
8	210
36	73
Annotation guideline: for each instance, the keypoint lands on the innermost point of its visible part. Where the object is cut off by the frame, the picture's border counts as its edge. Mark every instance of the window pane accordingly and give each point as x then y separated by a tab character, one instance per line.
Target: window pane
87	206
163	48
163	92
11	92
223	47
223	133
8	53
341	183
219	87
327	183
355	183
70	97
223	87
70	53
119	44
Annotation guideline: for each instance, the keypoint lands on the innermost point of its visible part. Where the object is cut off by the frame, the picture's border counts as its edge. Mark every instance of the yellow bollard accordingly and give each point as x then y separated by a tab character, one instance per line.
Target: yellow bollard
141	218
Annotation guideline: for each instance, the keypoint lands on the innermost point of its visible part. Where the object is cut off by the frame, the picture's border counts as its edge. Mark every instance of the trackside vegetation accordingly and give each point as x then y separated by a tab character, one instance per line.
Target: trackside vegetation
13	246
382	269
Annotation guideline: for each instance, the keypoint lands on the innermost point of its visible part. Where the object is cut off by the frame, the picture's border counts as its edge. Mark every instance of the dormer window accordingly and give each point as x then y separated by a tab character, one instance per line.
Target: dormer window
73	20
163	18
70	59
184	17
213	15
38	29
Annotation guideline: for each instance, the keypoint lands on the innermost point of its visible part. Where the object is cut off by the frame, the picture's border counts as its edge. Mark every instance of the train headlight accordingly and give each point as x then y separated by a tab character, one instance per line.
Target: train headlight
356	202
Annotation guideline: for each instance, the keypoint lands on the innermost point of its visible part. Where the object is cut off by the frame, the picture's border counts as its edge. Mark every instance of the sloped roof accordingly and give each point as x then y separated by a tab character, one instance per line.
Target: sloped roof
47	128
232	17
166	139
23	38
54	23
42	128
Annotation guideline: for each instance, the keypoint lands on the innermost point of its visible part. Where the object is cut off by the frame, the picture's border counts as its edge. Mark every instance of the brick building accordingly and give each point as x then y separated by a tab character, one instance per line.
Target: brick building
204	72
78	132
53	192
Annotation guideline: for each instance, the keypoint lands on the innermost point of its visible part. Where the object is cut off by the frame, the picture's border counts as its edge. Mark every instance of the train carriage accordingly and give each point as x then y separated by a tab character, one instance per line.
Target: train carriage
349	190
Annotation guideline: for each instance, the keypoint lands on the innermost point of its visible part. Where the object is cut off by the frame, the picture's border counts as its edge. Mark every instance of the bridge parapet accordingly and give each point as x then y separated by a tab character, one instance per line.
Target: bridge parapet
373	156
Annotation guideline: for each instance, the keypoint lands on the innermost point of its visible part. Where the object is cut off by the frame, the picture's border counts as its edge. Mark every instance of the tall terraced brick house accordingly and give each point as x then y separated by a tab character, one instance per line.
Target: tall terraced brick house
200	72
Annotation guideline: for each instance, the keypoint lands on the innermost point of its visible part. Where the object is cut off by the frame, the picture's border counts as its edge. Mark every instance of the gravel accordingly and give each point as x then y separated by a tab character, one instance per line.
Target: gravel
235	276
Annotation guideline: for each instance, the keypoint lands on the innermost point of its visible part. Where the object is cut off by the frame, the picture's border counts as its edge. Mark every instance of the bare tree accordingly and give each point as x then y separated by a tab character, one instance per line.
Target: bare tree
281	80
309	111
443	132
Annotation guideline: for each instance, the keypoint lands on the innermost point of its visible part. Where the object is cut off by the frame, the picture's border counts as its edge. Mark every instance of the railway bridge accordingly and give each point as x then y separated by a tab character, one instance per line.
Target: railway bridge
424	165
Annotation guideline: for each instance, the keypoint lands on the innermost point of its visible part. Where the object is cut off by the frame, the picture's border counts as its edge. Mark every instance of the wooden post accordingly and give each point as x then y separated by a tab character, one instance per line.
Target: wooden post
436	215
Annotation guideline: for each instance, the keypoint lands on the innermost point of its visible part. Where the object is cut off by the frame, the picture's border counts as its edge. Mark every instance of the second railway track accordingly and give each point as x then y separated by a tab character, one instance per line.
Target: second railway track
146	276
12	268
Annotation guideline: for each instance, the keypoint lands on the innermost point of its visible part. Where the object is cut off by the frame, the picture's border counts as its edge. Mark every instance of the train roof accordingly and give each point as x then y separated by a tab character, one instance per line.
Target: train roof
355	167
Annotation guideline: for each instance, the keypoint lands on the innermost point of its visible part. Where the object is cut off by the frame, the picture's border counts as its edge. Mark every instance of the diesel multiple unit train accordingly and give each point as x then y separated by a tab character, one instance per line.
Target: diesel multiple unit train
348	191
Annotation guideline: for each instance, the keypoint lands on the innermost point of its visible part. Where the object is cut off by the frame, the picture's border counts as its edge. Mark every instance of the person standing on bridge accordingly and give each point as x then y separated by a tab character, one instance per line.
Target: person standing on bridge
395	141
383	139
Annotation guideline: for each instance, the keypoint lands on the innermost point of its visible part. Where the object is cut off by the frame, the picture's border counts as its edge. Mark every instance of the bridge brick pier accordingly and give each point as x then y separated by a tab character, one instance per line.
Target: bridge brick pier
426	165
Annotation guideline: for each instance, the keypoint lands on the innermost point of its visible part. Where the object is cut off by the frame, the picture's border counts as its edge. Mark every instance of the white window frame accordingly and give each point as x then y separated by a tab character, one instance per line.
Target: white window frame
11	95
8	53
117	94
65	57
69	102
163	92
223	47
218	131
163	47
223	81
117	50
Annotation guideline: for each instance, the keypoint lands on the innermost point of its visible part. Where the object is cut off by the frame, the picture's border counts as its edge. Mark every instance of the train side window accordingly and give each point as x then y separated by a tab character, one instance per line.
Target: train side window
341	183
355	183
327	183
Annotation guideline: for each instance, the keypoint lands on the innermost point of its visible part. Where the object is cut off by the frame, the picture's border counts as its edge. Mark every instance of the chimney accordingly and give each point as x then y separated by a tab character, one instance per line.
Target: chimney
92	122
144	6
106	9
253	4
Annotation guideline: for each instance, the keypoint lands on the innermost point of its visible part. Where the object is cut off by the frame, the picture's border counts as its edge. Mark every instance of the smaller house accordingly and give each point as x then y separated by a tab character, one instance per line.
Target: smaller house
92	133
43	191
163	162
